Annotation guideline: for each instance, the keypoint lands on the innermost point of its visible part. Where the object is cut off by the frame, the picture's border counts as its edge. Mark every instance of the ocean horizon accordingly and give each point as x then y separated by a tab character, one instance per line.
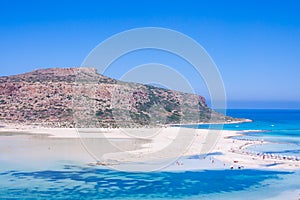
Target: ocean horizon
140	100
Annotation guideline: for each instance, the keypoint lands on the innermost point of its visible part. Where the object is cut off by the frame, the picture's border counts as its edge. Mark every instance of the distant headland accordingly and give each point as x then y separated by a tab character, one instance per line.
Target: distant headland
70	97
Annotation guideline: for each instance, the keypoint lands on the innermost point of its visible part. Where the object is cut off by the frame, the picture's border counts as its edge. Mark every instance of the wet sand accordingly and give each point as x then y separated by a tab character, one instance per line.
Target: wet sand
162	147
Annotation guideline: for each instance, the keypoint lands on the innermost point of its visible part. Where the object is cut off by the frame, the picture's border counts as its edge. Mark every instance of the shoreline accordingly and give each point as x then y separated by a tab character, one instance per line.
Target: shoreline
35	126
237	153
211	123
231	153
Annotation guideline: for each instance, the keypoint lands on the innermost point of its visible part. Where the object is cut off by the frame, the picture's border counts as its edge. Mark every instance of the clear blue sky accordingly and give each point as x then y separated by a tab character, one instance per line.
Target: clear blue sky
255	44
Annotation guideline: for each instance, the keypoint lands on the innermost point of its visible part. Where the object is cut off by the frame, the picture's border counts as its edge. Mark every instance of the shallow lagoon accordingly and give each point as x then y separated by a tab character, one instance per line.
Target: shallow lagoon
96	183
70	179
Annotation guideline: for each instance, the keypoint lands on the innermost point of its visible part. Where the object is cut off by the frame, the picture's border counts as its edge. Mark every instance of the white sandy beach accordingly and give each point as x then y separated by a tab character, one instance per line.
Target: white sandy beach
123	146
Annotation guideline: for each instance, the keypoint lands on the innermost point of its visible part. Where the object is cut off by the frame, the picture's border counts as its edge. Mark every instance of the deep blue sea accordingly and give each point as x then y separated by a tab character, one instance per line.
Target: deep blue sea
83	182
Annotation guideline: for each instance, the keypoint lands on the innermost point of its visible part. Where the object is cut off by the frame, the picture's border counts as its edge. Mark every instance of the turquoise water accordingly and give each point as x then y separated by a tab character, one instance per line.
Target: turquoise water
74	182
90	183
82	182
281	127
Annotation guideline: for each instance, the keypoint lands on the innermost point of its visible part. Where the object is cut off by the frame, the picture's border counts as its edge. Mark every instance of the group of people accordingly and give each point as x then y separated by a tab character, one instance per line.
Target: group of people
267	155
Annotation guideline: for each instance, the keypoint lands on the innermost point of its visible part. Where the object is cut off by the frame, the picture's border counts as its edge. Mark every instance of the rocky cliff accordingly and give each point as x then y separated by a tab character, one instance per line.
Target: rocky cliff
69	97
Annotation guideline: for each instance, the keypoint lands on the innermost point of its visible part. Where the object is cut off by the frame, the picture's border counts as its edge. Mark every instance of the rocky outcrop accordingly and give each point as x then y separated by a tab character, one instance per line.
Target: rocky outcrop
69	97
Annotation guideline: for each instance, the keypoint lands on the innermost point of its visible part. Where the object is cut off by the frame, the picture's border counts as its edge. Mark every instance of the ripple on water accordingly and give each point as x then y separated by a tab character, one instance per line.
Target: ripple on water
104	183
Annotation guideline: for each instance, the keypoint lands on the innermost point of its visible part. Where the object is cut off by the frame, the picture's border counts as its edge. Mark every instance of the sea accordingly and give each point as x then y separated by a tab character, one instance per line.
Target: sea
71	181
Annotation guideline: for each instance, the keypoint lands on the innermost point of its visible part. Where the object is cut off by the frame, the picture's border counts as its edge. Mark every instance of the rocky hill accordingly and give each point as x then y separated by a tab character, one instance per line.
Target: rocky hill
69	97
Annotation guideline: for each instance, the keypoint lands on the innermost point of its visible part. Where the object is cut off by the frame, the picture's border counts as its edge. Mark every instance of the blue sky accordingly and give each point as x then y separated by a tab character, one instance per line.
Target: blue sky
255	44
